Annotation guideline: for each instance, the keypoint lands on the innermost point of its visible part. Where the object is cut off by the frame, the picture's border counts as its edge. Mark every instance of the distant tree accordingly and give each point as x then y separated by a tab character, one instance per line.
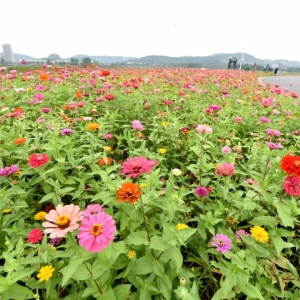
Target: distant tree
86	61
247	68
74	61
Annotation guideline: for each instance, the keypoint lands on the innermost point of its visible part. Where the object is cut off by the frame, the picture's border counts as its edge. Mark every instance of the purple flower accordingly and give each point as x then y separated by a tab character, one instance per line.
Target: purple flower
222	242
201	191
66	131
137	125
239	232
40	88
55	241
39	96
45	109
107	136
273	146
273	132
7	171
40	120
251	181
226	150
264	120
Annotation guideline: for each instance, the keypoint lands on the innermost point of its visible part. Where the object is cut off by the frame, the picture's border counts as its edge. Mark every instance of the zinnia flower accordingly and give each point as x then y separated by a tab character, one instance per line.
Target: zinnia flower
38	160
92	126
137	125
35	236
109	97
19	141
104	162
131	254
97	232
204	129
8	171
238	234
291	165
201	191
273	146
64	219
273	132
176	172
45	273
66	131
181	226
162	151
129	192
107	136
291	185
136	166
264	120
226	150
40	215
92	209
222	242
259	234
225	169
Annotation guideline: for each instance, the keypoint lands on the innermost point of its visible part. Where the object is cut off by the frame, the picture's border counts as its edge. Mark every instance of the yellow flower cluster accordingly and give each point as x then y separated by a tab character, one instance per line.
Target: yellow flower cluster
45	273
181	226
40	215
106	148
259	234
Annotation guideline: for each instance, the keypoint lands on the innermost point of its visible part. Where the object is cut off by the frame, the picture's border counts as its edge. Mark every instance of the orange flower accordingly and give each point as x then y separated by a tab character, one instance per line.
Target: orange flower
291	165
129	192
44	77
19	141
78	95
92	126
104	162
18	109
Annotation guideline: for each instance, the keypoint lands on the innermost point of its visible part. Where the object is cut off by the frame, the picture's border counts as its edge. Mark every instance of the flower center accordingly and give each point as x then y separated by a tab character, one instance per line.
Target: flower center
128	194
297	163
96	229
63	222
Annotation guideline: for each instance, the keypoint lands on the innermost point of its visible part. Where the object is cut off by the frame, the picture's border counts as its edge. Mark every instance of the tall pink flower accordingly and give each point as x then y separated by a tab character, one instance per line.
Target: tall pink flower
291	185
136	166
225	169
38	160
63	219
96	232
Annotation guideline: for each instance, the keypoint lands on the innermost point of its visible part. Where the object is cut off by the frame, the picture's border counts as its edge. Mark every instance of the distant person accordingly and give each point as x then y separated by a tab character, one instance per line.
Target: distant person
276	72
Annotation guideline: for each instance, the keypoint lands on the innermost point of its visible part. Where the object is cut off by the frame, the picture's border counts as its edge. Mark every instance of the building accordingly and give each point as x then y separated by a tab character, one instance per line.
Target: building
8	54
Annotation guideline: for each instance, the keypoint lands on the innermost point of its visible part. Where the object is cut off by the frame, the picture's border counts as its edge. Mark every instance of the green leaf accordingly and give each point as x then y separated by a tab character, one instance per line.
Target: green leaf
15	276
265	220
165	286
47	197
284	212
70	269
250	290
175	255
137	238
82	273
194	292
17	292
121	291
20	204
142	267
280	244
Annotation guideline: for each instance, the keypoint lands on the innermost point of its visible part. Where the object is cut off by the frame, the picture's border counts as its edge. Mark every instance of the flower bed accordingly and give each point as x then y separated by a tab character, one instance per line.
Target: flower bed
147	184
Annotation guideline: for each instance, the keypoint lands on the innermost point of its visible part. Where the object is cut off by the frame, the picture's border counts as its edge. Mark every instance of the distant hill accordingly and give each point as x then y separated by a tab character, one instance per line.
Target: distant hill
20	56
103	58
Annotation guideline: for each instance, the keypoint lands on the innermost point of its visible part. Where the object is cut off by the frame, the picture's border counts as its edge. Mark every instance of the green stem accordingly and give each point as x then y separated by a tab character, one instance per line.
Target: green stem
80	255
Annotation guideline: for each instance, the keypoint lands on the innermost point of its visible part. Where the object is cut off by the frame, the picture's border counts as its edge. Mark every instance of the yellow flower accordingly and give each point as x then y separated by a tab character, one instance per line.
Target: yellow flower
187	96
40	215
142	185
18	173
192	269
107	148
131	254
259	234
293	234
53	248
92	126
6	211
181	226
45	273
231	220
163	124
162	151
29	89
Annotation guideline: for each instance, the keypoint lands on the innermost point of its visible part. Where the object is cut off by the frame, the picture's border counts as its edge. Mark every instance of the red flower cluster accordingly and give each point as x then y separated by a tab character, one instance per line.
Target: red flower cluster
291	165
38	160
291	185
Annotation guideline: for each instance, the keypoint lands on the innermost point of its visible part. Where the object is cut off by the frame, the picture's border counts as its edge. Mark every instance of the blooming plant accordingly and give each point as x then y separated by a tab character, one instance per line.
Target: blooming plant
147	184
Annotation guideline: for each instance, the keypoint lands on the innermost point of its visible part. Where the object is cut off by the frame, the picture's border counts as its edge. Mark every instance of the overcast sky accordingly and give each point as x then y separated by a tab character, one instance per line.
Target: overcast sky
263	28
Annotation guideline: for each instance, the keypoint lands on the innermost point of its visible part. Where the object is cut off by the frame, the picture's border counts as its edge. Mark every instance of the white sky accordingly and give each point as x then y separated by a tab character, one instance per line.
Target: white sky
264	28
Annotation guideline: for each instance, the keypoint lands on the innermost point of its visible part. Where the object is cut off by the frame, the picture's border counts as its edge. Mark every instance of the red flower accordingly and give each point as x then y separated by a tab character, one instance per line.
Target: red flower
105	73
291	185
38	160
291	165
109	97
35	236
104	162
294	95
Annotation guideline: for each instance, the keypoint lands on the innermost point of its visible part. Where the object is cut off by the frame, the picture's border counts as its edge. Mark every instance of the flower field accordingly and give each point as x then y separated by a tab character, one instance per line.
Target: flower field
148	184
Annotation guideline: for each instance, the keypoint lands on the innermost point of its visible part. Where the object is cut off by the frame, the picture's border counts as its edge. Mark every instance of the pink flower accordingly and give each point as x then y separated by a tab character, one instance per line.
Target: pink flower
137	125
40	120
8	171
238	119
38	160
201	191
92	209
275	112
35	236
225	169
45	110
226	150
239	232
96	232
264	120
273	132
136	166
267	102
222	242
107	136
204	129
63	219
291	185
273	146
251	181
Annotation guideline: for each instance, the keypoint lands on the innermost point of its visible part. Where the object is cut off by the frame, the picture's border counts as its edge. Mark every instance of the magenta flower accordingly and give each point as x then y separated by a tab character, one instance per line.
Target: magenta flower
264	120
273	146
225	169
39	96
136	166
267	102
97	232
45	109
40	88
8	171
108	136
137	125
201	191
251	181
204	129
226	150
35	236
291	185
238	119
273	132
92	209
222	242
66	131
239	232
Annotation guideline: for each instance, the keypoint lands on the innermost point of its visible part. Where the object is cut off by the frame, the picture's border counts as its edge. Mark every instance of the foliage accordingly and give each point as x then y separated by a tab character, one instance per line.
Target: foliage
162	246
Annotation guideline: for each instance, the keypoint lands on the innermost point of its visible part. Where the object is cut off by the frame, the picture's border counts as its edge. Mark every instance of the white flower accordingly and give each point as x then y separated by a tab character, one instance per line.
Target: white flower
5	108
20	90
176	172
87	118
